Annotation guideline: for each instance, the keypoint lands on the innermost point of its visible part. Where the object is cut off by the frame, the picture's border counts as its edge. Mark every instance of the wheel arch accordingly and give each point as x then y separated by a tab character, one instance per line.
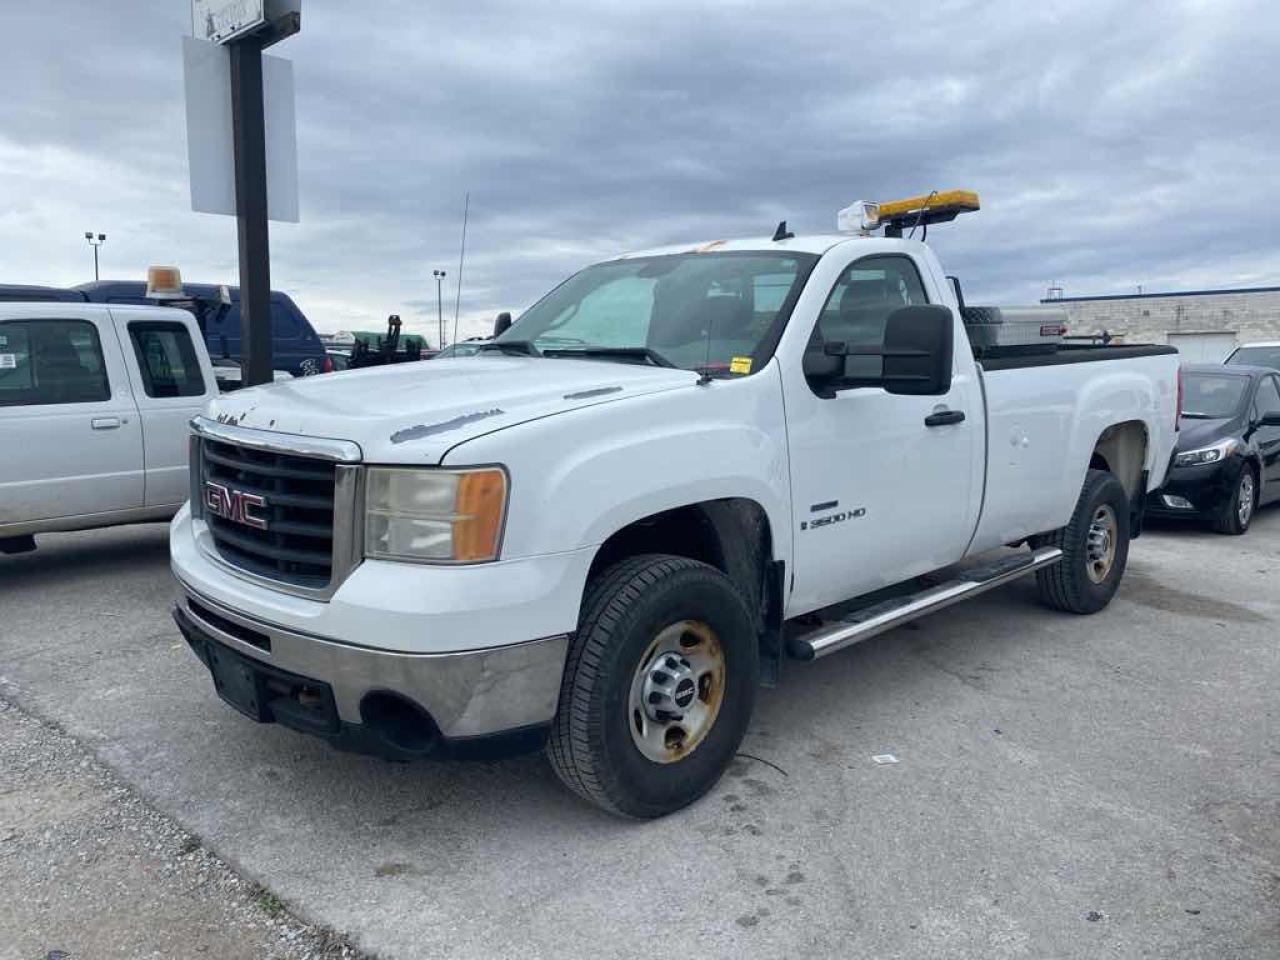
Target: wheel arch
732	534
1122	449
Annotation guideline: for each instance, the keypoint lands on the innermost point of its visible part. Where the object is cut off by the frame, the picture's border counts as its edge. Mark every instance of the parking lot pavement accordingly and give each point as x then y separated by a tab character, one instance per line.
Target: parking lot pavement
88	870
1066	787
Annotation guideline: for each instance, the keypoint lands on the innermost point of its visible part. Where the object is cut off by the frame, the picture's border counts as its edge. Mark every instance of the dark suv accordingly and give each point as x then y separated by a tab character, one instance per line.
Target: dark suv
295	347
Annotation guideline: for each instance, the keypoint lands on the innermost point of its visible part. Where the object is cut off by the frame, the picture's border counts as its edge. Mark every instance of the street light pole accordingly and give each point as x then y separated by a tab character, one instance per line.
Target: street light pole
95	241
439	275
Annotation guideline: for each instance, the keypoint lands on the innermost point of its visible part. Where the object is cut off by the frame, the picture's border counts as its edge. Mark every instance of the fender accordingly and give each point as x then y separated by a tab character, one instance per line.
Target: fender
578	478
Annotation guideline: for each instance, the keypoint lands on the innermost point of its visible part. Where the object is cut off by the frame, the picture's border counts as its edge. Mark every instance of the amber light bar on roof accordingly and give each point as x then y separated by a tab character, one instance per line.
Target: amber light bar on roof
936	207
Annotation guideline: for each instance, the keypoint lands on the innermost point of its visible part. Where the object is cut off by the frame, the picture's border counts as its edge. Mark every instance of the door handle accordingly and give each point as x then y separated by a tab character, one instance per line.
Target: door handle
105	423
944	417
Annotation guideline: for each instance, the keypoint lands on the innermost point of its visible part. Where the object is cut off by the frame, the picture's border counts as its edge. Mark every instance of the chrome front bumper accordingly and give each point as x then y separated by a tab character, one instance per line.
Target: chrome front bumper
468	694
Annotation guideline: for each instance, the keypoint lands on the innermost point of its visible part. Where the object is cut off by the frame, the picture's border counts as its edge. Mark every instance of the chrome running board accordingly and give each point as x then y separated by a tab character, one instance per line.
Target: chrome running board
879	617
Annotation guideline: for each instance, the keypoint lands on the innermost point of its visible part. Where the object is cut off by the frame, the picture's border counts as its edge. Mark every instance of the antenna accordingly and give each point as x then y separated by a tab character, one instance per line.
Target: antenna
462	253
920	217
782	233
706	354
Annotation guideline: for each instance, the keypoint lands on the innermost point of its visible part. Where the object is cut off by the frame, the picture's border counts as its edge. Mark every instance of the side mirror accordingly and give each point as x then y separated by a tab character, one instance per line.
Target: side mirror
823	362
1271	419
918	346
502	324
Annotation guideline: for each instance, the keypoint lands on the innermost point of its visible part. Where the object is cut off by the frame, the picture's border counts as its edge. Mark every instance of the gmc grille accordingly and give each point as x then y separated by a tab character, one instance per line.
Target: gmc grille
296	545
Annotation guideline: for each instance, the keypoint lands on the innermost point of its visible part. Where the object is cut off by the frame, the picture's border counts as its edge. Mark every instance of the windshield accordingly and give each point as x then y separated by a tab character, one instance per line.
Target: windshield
718	313
1212	396
1257	357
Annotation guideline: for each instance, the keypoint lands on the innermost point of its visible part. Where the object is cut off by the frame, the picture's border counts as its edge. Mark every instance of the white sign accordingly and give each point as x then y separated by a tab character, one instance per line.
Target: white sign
8	361
222	20
210	153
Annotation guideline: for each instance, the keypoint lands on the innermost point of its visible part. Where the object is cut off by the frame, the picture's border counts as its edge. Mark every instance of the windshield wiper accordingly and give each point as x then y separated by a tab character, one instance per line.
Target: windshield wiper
525	347
622	353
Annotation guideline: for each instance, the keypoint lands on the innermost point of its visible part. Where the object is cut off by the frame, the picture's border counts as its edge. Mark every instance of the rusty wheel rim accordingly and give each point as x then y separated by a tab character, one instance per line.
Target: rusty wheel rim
1100	544
676	691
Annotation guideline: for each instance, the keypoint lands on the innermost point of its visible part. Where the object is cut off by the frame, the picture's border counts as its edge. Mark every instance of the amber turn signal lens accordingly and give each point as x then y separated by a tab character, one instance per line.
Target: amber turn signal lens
478	514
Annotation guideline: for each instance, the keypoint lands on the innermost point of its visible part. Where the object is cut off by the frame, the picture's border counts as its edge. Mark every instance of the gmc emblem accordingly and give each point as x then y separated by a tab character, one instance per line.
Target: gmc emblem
235	505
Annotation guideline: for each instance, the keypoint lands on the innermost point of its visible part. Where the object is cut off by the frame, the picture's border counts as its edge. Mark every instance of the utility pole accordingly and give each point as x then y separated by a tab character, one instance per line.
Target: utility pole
439	275
248	134
95	243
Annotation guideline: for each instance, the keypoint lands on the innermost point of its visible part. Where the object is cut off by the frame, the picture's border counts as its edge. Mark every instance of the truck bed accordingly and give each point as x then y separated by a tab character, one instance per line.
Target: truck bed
1076	353
1045	414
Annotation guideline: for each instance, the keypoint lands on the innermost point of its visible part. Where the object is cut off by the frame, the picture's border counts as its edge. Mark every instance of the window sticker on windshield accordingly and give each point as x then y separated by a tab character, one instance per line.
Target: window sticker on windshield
8	361
740	365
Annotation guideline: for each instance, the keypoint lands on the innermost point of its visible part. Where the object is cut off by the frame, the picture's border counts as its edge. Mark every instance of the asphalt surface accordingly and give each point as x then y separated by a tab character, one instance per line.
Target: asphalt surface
89	870
1065	787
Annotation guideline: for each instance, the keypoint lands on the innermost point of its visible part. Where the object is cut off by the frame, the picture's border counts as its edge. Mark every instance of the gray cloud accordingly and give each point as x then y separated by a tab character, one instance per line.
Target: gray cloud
1112	143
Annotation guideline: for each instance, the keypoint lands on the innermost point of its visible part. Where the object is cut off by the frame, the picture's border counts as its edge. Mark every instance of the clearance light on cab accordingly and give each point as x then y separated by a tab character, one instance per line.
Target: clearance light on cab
434	516
861	216
164	283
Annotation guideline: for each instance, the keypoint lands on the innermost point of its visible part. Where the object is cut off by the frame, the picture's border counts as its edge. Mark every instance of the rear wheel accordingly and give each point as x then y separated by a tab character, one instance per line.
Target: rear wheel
1234	514
658	687
1095	548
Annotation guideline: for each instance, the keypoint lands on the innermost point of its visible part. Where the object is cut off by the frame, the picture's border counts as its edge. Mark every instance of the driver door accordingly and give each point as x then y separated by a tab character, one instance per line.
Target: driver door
883	488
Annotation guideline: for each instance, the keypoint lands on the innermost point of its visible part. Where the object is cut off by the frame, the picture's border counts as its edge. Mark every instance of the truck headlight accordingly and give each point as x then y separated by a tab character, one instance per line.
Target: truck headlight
1194	458
434	516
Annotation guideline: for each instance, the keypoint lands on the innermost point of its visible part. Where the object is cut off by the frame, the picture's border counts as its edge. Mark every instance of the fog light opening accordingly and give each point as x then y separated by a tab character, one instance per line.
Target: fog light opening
399	721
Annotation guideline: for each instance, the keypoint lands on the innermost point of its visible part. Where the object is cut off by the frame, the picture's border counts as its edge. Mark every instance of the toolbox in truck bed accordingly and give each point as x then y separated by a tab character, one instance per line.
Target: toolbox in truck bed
1007	331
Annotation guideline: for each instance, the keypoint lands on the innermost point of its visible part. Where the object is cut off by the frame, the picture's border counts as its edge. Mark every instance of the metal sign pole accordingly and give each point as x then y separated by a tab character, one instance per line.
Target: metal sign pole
249	143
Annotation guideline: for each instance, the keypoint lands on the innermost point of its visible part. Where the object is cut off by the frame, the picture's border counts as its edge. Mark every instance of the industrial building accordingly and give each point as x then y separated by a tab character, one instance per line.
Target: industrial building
1205	325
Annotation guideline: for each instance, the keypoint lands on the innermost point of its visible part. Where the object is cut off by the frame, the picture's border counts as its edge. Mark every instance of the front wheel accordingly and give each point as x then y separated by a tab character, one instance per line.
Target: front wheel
658	688
1234	514
1094	545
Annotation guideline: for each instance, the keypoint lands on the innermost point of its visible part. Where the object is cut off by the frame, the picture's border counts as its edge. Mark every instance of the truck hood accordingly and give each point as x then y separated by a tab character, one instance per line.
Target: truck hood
415	412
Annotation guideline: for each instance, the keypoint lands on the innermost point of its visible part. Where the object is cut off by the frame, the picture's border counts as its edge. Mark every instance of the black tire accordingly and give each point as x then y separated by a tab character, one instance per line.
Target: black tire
1226	518
591	746
1068	585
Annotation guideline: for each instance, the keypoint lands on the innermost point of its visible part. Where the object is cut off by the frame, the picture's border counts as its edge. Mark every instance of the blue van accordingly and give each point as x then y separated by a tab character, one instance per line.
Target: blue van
295	347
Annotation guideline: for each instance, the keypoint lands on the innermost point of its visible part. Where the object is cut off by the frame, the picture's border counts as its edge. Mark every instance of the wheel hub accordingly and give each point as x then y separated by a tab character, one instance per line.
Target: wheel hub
676	691
669	688
1100	544
1245	508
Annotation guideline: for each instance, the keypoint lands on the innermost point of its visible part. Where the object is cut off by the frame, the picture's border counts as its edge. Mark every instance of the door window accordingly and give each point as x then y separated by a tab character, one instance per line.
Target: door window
51	361
284	326
167	358
1268	398
860	303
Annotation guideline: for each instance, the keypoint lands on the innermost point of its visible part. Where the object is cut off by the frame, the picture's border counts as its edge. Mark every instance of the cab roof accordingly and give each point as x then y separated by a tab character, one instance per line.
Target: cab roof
815	243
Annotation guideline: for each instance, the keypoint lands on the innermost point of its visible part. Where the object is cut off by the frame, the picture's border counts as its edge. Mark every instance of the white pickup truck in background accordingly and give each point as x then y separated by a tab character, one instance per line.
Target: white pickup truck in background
95	402
675	470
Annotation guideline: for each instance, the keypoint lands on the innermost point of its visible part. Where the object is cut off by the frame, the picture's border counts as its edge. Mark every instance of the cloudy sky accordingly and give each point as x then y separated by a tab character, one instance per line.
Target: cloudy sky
1112	143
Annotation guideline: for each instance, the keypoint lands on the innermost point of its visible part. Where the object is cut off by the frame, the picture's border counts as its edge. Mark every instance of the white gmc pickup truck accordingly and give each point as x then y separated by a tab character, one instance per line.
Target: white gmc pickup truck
606	530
